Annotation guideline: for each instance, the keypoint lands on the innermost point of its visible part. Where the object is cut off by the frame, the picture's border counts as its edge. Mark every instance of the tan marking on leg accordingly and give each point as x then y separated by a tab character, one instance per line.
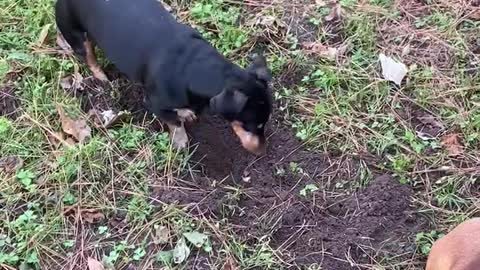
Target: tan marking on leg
92	64
186	115
63	44
249	141
179	136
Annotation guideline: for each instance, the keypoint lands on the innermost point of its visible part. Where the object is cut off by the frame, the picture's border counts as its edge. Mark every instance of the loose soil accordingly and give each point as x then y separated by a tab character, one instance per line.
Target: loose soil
337	227
9	103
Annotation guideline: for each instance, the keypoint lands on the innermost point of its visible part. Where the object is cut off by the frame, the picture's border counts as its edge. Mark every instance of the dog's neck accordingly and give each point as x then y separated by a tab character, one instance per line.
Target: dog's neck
210	74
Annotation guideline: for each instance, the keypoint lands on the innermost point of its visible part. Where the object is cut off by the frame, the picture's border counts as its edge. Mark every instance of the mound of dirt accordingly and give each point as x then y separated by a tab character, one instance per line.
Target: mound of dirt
331	227
336	232
343	232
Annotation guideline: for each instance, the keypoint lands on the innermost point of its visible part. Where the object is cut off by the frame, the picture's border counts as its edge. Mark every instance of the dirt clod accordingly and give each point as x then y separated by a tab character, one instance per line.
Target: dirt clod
9	102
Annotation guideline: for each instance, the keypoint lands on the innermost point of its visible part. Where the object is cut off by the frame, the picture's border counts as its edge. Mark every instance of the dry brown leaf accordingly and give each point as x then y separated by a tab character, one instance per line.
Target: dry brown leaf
335	13
70	142
268	22
10	164
55	138
321	50
88	215
428	119
452	142
43	34
92	216
162	235
94	264
74	81
79	129
230	265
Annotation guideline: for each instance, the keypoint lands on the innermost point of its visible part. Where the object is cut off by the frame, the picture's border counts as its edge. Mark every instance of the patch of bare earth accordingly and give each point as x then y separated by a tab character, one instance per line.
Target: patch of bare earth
9	102
330	227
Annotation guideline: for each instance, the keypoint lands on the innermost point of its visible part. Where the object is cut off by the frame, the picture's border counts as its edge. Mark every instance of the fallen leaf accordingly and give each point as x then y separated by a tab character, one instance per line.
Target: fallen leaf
66	82
94	264
230	265
55	138
43	34
321	50
79	129
10	164
452	143
74	81
92	216
392	70
88	215
335	13
267	21
181	251
196	238
108	118
162	235
69	142
429	119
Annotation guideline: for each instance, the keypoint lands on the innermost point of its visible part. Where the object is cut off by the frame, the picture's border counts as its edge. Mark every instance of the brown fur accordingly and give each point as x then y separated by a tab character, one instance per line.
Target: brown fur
458	250
249	141
91	60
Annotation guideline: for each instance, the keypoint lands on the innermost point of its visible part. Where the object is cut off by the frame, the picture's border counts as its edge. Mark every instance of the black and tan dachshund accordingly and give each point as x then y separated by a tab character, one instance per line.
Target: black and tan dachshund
181	72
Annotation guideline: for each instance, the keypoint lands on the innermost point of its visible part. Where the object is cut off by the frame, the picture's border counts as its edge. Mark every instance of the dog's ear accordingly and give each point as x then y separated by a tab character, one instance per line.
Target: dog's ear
229	101
259	68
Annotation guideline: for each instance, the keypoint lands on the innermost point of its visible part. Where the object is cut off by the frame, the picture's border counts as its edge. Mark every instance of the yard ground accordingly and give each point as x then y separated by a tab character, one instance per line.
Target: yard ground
360	173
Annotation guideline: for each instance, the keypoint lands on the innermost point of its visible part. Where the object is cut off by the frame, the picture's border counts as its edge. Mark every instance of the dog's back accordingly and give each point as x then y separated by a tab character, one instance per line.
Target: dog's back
129	31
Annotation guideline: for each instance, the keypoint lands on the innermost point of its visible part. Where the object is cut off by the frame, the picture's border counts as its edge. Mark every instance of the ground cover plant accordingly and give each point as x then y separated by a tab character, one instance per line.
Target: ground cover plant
361	173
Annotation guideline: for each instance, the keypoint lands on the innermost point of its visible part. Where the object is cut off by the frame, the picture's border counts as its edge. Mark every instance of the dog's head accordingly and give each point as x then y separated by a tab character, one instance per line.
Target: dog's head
246	102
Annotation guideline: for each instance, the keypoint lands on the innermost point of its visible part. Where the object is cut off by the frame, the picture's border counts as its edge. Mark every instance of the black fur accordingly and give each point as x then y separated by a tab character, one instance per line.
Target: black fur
178	68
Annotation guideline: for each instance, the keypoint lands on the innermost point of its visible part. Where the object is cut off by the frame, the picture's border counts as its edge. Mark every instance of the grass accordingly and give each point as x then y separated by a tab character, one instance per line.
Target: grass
62	204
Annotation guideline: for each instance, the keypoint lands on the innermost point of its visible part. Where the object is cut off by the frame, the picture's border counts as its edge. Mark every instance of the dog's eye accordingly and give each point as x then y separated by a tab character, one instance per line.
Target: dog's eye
260	126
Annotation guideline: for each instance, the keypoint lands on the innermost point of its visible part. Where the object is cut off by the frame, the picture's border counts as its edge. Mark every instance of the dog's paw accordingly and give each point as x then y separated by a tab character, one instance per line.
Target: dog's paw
179	137
186	115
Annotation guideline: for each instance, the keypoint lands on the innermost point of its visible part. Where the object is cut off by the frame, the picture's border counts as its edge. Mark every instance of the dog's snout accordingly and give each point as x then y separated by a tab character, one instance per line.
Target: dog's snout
251	142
